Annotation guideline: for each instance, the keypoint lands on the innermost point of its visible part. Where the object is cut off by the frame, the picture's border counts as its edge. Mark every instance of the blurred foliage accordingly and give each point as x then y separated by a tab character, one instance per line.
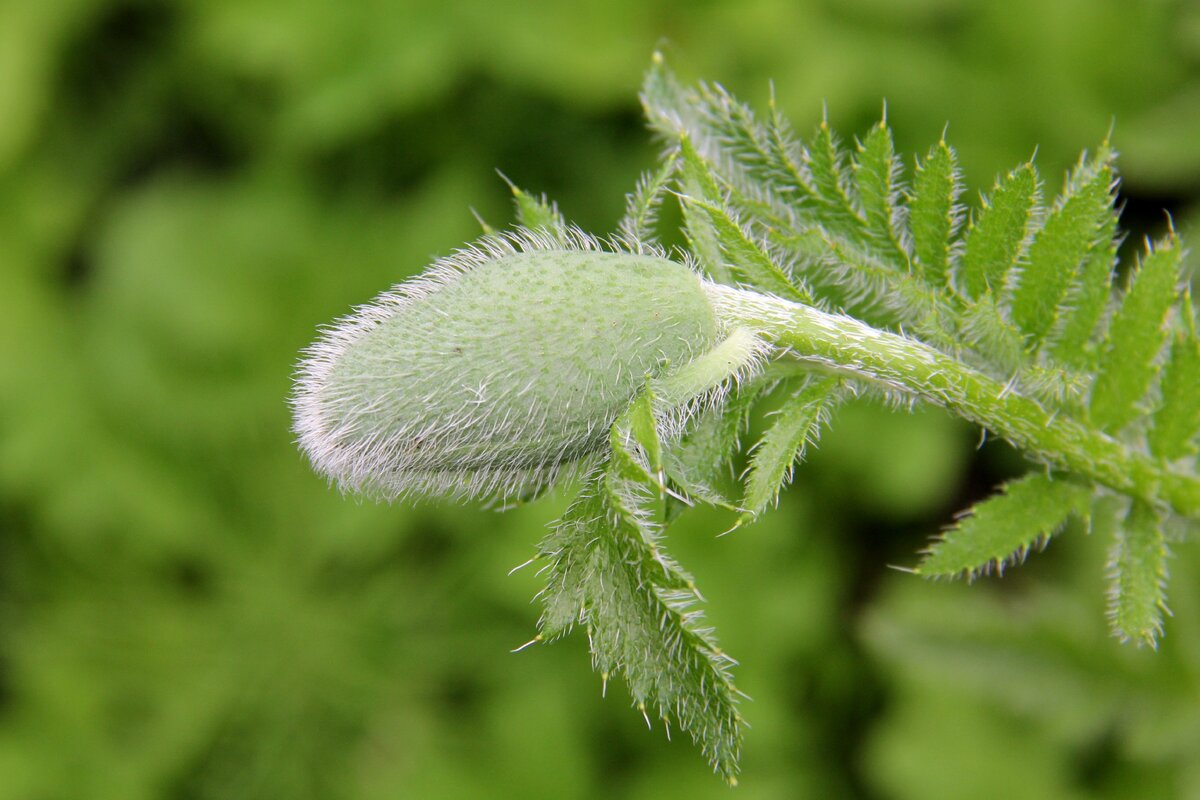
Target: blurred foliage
188	189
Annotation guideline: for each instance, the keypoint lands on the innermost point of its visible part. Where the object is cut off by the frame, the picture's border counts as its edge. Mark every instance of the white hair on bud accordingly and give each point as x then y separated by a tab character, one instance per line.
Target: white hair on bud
704	383
506	363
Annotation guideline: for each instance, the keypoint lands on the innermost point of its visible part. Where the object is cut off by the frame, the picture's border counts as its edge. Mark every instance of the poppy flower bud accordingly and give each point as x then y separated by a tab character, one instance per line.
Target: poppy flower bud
497	368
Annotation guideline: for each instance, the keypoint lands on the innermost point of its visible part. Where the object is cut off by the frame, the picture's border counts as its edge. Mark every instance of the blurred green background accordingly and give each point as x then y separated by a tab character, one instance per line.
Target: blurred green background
188	189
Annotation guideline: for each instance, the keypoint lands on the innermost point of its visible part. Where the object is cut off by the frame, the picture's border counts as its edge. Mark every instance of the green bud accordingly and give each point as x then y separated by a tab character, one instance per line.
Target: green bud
497	368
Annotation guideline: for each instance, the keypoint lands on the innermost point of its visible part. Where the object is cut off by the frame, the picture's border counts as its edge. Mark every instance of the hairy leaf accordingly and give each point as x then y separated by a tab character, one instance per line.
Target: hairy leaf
851	275
797	424
641	205
1176	424
750	156
700	461
989	332
877	173
535	212
697	182
749	265
787	157
1086	301
998	232
1138	566
1136	336
608	571
734	129
1006	526
638	428
825	161
1070	232
666	103
934	214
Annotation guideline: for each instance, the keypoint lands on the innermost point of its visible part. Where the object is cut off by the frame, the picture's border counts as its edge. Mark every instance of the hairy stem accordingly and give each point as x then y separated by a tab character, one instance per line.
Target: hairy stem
897	362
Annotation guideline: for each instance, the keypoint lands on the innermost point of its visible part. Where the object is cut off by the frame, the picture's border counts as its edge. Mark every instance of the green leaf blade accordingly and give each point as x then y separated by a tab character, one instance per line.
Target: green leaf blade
1070	232
1127	365
698	182
667	105
746	259
1138	565
989	332
700	462
826	164
1086	302
877	173
1004	527
608	572
797	424
933	213
997	234
535	212
637	451
1176	423
641	205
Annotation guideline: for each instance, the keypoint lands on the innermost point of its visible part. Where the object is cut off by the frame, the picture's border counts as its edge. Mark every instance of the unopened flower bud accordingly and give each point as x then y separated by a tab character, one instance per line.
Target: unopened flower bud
495	369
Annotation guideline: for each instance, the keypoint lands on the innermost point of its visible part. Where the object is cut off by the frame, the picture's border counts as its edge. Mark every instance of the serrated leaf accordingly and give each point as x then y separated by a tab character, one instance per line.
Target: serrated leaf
748	263
698	182
988	332
825	162
1091	287
1138	566
787	156
877	174
933	215
709	443
535	212
849	275
1004	527
1070	232
637	452
740	258
743	139
664	101
700	461
1176	424
1135	337
752	157
795	425
997	233
608	571
641	205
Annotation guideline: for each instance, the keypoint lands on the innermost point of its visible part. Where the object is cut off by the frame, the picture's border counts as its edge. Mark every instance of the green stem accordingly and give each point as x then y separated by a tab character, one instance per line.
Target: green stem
897	362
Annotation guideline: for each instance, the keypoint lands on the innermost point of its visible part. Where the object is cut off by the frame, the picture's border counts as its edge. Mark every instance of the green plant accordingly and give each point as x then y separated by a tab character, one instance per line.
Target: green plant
825	275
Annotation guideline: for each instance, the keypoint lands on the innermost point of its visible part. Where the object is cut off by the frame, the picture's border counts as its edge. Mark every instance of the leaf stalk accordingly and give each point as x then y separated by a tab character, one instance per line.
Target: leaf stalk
895	362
